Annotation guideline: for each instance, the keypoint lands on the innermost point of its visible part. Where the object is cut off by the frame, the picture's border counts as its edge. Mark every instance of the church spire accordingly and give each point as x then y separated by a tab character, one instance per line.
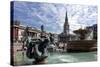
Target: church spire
66	18
64	36
66	25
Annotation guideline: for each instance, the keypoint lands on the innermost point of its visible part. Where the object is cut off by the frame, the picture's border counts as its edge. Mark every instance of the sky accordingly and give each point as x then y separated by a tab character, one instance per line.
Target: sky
52	15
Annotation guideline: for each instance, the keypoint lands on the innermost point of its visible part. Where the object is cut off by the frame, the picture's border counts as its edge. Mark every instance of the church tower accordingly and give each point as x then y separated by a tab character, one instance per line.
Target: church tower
64	36
66	26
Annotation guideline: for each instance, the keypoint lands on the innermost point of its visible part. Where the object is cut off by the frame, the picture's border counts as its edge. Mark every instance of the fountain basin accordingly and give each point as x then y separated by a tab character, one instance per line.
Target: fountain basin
82	45
41	60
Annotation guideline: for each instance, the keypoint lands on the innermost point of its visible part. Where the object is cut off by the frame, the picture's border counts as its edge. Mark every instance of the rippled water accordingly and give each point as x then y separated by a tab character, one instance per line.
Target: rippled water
58	57
72	57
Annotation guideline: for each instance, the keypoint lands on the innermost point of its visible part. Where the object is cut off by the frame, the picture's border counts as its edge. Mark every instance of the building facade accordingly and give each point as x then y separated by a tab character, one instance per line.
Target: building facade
18	31
93	31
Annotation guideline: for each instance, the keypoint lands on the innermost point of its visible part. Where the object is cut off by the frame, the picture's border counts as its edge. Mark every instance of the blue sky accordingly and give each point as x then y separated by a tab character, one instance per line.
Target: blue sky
52	15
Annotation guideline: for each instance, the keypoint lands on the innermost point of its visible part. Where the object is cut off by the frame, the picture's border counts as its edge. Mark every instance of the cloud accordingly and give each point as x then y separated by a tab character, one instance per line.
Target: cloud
52	16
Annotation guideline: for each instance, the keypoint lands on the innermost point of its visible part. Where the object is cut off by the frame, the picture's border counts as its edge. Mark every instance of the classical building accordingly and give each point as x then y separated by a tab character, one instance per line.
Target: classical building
93	30
18	31
64	36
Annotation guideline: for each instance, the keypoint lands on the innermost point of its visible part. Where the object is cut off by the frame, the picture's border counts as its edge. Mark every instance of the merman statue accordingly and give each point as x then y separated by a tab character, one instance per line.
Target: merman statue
37	48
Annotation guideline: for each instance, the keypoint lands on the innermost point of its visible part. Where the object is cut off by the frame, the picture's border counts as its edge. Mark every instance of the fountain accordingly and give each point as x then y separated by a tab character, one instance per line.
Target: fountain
83	44
37	48
81	33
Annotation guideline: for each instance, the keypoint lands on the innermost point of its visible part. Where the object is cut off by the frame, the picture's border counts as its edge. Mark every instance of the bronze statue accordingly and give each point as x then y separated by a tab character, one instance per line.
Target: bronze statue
36	48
